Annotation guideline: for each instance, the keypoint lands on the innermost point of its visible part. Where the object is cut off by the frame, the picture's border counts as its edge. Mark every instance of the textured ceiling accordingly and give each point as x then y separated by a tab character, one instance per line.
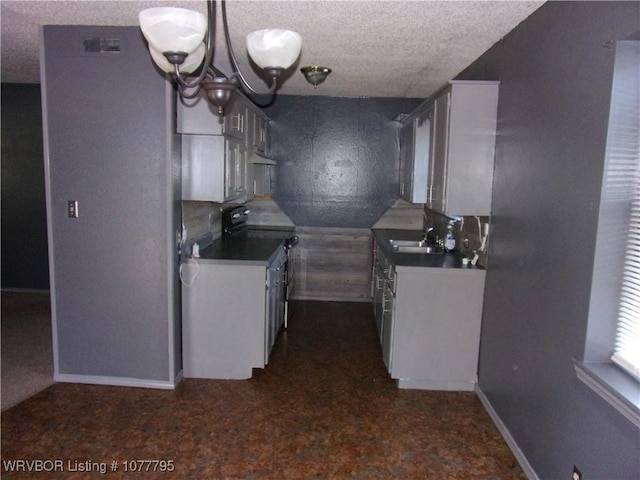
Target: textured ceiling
375	48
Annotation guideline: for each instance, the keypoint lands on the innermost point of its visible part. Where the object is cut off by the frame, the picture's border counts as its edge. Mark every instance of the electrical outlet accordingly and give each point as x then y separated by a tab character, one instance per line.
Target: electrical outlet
72	208
577	474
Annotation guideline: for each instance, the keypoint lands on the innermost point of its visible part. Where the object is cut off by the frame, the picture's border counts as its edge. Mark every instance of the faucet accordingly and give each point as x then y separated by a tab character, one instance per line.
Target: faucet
434	240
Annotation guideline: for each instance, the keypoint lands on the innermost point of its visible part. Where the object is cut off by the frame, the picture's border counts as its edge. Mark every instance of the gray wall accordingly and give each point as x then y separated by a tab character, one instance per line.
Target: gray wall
337	158
111	147
552	126
24	223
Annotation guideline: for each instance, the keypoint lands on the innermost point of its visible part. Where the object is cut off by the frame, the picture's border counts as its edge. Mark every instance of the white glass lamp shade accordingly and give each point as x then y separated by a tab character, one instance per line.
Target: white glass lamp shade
274	48
191	63
170	29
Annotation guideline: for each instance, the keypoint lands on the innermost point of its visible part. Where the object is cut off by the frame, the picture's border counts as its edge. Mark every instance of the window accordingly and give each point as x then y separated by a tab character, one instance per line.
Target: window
622	178
614	314
627	345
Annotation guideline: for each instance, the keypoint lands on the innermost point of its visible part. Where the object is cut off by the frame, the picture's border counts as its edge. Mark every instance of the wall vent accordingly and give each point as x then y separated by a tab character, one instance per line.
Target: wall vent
101	45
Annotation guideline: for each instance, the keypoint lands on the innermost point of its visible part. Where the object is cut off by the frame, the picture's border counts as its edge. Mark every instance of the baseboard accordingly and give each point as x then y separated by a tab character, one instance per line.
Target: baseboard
178	378
114	381
311	298
434	385
504	431
24	290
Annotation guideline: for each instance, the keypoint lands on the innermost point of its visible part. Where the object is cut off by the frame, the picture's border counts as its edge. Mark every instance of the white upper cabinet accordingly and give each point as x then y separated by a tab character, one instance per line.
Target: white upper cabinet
463	148
415	141
227	162
214	169
447	148
260	124
196	117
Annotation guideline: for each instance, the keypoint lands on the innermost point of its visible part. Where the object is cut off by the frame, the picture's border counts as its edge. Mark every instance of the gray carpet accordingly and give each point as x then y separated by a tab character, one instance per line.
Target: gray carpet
27	354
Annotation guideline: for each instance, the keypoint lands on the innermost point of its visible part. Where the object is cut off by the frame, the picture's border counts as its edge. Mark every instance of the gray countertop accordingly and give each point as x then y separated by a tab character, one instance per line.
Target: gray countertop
441	260
259	247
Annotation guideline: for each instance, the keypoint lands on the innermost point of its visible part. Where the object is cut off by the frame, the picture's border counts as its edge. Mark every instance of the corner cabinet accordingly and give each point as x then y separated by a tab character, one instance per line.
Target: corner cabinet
220	154
463	148
429	321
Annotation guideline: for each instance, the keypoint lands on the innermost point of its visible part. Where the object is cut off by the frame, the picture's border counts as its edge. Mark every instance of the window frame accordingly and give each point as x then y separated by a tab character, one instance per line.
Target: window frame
597	370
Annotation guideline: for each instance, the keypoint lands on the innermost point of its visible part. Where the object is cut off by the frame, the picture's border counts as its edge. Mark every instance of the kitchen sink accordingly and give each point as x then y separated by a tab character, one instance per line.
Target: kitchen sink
414	246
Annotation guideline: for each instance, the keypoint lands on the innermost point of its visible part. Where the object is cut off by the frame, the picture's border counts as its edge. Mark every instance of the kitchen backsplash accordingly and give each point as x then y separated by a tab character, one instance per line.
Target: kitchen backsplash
468	231
201	218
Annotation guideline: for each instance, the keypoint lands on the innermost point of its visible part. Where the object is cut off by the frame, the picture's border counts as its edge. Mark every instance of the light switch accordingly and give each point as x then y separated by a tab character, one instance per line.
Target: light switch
72	208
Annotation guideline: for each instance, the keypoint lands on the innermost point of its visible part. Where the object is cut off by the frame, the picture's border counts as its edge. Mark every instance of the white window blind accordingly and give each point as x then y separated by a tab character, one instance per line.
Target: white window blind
623	171
627	346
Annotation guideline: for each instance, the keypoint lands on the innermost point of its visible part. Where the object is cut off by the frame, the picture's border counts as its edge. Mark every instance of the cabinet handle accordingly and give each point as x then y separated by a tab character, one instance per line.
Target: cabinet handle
384	305
236	122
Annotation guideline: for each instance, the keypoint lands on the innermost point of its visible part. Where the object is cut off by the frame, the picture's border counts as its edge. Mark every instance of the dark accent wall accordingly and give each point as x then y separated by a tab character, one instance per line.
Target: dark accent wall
337	158
556	71
24	220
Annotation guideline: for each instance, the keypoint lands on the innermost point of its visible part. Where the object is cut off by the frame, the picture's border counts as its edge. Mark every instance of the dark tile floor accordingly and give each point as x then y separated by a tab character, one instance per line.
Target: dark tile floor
324	408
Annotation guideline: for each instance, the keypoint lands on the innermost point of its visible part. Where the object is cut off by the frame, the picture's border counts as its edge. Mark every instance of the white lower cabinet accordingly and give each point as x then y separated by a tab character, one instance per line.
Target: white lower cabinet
378	297
429	321
388	305
274	310
230	317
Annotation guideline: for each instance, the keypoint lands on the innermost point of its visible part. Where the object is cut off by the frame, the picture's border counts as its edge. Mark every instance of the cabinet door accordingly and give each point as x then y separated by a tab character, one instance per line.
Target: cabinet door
378	297
261	179
464	131
236	119
406	161
421	156
415	149
235	169
439	153
271	313
388	306
282	292
471	150
203	168
259	133
248	180
274	313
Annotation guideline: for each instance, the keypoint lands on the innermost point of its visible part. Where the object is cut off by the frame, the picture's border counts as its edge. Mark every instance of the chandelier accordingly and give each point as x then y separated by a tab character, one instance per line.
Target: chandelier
181	40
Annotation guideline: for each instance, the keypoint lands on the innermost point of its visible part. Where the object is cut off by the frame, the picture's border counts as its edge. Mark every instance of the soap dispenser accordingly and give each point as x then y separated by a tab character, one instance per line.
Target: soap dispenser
450	239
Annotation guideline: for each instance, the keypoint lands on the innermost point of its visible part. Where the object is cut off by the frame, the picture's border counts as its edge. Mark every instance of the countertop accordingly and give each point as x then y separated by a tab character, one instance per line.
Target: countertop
259	247
441	260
